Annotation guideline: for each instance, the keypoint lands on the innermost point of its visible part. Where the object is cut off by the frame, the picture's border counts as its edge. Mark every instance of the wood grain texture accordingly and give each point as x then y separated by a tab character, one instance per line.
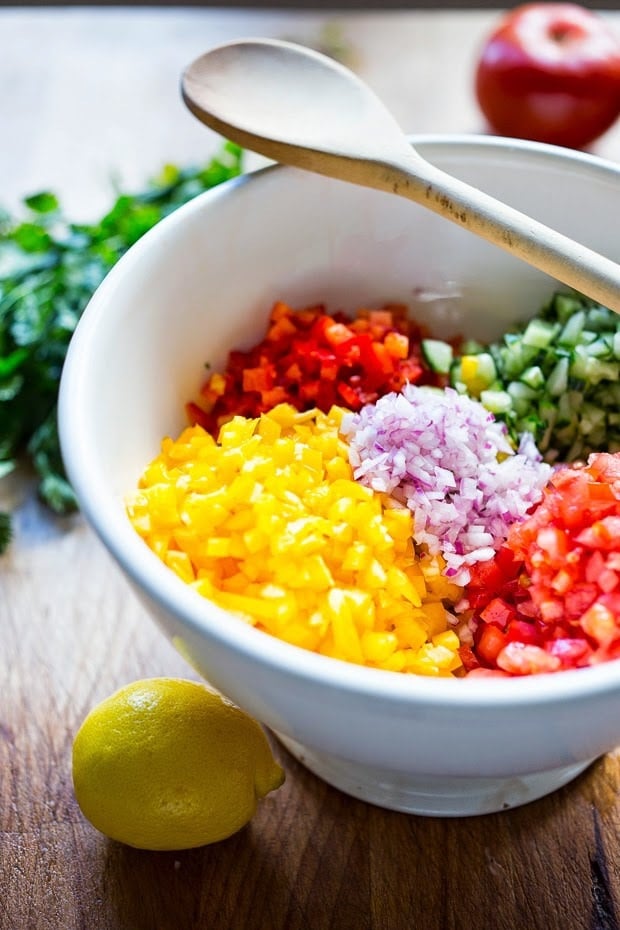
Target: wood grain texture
100	96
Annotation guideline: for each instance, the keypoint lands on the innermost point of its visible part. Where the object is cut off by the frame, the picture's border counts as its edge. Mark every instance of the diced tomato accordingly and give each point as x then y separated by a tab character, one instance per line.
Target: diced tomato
579	598
594	565
524	659
608	580
570	652
524	631
494	573
600	624
605	467
553	541
489	644
604	534
562	581
612	602
498	612
566	593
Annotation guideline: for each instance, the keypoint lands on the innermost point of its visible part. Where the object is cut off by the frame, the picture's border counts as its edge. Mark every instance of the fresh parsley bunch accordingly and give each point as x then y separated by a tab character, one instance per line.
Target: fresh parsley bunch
49	268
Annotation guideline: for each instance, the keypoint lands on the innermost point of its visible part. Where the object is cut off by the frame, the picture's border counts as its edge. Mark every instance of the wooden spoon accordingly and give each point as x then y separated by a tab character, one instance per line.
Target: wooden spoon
302	108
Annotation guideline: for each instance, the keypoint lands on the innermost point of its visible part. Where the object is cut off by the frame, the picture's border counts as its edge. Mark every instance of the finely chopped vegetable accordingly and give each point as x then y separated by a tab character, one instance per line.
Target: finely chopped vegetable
311	359
450	462
551	598
337	493
556	376
270	524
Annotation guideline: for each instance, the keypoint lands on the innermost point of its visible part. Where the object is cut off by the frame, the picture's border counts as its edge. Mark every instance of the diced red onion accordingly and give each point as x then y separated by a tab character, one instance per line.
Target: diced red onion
452	463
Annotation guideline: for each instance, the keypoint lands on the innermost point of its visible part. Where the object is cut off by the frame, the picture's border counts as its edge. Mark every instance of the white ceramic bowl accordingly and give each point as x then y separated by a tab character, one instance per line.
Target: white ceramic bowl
203	281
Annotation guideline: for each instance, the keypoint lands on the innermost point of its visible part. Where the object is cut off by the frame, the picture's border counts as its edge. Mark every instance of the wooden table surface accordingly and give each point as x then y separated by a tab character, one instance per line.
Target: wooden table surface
87	96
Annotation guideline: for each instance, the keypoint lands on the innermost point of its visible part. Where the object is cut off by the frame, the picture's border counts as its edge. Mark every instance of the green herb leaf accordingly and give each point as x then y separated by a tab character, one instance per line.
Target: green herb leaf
45	202
5	531
32	238
49	269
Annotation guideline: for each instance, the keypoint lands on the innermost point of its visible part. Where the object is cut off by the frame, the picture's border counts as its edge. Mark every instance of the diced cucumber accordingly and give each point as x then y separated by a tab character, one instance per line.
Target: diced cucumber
568	406
572	329
548	412
591	418
515	357
498	402
539	334
600	319
438	355
604	371
564	306
522	397
556	376
530	424
557	381
608	395
600	348
591	369
533	376
520	391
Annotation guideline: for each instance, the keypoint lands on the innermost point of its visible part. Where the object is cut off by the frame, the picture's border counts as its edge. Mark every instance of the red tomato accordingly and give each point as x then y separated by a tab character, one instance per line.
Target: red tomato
550	598
490	642
550	72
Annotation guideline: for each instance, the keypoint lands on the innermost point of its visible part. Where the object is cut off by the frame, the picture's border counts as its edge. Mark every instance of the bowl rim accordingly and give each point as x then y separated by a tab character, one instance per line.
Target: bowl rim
200	616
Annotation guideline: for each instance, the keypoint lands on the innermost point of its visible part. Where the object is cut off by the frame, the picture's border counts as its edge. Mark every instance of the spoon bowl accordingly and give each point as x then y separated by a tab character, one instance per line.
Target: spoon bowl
302	108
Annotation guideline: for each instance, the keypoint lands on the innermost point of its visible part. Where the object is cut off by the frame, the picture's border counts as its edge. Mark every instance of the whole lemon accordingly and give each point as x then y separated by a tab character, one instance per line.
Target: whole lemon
166	763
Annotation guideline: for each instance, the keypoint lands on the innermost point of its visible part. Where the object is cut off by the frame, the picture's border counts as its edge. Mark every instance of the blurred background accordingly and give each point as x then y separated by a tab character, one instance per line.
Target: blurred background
315	4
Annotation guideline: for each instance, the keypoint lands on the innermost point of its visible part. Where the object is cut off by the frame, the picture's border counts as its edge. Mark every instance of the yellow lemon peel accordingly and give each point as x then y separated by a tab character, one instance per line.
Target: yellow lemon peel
168	763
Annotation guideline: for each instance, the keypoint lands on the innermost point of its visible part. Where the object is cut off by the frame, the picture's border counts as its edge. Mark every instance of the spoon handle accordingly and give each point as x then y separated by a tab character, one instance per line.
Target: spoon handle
573	264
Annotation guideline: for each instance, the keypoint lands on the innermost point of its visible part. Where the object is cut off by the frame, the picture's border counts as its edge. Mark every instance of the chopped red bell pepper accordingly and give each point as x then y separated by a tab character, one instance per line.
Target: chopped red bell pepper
309	358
